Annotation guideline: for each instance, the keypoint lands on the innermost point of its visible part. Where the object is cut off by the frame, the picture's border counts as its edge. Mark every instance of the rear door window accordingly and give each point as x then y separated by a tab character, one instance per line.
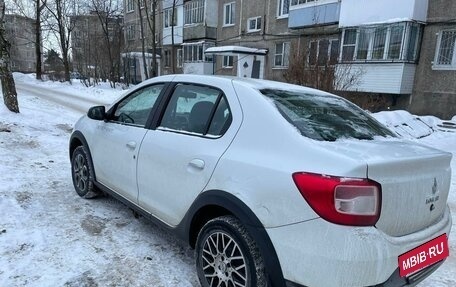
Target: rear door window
198	110
325	117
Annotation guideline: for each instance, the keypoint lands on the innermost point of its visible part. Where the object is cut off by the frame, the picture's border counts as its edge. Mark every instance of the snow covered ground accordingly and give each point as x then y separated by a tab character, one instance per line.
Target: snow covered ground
51	237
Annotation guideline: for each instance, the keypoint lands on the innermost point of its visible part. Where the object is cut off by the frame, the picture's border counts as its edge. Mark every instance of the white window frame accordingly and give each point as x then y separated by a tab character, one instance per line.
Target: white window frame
284	62
130	5
281	7
194	52
167	15
370	49
232	8
302	2
194	12
226	62
436	65
256	24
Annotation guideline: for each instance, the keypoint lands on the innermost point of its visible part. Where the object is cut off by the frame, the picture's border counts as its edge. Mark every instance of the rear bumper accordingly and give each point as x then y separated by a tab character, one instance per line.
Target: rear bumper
396	280
319	253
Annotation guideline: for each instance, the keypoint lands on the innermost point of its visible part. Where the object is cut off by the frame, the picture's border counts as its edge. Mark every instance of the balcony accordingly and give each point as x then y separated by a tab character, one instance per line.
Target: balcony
200	21
198	32
308	13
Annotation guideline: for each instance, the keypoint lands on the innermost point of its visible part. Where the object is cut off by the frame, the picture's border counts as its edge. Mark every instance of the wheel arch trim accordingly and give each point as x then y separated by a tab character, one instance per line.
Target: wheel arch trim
232	204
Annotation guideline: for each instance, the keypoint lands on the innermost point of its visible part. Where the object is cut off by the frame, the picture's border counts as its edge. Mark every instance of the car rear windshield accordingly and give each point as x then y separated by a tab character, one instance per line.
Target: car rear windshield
325	117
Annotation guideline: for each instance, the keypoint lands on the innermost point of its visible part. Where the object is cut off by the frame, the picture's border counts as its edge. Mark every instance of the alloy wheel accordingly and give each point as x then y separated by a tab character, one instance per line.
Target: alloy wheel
81	173
223	263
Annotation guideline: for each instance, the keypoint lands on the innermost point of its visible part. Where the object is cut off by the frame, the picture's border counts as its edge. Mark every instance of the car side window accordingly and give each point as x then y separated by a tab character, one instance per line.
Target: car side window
197	109
135	108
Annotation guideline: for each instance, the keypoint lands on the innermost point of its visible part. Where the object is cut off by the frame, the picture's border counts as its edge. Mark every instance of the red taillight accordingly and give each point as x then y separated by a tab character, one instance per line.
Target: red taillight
341	200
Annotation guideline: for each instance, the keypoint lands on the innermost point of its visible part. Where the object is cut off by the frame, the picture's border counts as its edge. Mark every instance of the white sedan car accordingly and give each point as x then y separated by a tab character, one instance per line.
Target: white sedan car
272	184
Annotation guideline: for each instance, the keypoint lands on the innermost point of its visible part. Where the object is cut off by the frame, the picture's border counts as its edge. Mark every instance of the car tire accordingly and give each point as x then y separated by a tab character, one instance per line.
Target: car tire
227	256
82	173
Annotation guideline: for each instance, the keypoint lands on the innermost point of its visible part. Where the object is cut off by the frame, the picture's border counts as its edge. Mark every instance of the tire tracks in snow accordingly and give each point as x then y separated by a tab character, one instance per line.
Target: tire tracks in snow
68	100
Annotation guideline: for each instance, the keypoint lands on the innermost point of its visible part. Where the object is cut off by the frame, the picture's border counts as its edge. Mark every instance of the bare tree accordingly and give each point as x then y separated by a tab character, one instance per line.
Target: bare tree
60	11
152	28
8	85
143	36
108	12
39	6
173	60
324	75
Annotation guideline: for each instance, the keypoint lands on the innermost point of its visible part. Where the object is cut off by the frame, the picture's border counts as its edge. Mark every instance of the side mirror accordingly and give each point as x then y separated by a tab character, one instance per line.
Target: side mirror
97	113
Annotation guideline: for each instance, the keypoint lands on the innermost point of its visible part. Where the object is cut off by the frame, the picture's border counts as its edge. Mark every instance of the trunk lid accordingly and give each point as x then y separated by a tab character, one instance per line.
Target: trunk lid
415	182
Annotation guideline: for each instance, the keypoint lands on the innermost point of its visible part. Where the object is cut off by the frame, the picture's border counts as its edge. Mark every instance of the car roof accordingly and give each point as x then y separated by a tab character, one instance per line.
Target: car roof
257	84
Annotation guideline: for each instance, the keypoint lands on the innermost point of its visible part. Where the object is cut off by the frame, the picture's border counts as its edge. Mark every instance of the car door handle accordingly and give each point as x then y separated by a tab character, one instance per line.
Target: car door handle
131	145
197	163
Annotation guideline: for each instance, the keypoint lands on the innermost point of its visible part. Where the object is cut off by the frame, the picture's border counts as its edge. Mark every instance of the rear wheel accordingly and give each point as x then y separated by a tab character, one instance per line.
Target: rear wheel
82	173
227	256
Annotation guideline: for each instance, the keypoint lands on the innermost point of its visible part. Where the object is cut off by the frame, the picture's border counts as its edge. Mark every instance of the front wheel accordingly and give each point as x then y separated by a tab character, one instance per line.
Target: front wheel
82	173
227	256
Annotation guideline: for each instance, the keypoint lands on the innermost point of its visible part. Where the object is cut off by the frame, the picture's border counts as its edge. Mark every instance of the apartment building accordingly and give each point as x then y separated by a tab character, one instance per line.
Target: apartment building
96	43
434	90
139	31
20	32
268	39
381	51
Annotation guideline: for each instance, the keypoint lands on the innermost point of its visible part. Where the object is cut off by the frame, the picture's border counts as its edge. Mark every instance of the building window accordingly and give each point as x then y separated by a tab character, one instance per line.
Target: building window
180	57
282	53
299	2
378	46
413	45
394	49
228	15
323	52
194	12
445	57
392	42
167	58
228	61
168	15
349	45
130	5
254	24
195	52
284	7
130	32
363	44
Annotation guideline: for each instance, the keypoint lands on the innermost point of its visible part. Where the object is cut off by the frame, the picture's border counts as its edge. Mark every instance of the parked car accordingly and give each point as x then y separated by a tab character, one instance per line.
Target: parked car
272	184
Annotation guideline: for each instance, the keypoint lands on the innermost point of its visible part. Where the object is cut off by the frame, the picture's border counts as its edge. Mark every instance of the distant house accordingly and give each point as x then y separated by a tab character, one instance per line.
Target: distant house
134	69
89	43
435	82
20	31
